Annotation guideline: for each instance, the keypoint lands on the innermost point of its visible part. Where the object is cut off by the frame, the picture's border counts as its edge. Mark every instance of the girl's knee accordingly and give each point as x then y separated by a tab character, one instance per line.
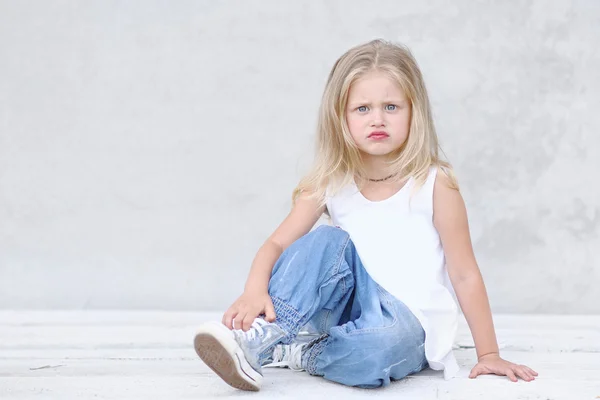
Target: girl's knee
312	262
328	233
324	242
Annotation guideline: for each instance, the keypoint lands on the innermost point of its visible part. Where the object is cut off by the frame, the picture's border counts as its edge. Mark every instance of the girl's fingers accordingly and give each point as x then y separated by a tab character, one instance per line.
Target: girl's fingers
522	372
248	320
475	372
239	320
512	371
529	373
532	372
270	312
228	318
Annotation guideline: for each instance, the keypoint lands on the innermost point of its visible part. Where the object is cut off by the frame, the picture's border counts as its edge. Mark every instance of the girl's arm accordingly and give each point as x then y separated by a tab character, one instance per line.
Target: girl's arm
450	219
256	300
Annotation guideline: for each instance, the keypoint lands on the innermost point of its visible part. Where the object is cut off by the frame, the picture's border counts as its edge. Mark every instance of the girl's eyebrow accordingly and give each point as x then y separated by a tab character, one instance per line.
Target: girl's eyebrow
368	103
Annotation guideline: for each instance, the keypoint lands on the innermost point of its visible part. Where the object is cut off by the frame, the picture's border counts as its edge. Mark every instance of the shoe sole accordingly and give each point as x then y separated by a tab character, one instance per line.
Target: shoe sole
216	346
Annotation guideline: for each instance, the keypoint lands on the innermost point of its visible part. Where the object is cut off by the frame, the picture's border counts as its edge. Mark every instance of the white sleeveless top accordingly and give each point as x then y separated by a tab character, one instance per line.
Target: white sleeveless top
401	250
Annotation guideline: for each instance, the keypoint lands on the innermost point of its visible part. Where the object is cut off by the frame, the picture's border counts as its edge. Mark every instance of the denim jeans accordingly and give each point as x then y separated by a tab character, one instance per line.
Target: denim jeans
369	337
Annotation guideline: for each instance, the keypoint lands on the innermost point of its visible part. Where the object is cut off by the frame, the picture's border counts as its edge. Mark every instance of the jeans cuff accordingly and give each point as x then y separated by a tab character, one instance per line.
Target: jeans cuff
288	319
309	360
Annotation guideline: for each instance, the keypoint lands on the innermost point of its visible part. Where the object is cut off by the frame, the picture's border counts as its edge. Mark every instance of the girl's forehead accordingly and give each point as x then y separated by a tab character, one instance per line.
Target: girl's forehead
375	84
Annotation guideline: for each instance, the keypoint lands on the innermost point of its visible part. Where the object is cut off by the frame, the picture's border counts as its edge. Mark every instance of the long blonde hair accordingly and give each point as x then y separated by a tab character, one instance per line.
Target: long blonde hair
338	159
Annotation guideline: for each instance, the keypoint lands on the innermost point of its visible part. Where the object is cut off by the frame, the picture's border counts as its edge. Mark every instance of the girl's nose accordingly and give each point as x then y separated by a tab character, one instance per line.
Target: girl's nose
377	118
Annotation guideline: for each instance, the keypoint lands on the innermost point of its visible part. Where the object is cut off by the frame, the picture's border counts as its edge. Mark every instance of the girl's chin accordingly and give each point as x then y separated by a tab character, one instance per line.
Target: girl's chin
381	152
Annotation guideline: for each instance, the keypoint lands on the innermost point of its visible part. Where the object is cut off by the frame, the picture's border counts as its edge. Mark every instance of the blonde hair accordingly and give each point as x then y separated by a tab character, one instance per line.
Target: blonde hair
338	159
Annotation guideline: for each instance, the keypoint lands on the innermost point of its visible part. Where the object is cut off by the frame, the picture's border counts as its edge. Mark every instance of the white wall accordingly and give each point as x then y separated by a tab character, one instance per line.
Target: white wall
147	148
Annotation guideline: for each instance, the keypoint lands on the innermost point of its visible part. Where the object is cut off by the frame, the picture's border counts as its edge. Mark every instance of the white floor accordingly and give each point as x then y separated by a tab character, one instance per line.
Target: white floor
149	355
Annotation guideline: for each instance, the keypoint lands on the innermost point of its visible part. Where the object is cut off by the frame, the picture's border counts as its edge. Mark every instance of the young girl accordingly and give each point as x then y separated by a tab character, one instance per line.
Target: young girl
376	288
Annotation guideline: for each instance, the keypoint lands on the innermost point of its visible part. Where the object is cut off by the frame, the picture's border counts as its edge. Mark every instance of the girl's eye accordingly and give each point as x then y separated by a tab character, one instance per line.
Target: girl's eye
362	108
390	107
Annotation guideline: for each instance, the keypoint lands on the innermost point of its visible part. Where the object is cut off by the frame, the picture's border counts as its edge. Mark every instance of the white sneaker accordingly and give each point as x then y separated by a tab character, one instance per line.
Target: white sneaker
234	354
287	356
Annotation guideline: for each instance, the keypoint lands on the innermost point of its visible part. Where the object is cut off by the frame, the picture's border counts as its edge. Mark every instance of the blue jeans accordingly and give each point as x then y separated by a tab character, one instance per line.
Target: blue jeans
369	337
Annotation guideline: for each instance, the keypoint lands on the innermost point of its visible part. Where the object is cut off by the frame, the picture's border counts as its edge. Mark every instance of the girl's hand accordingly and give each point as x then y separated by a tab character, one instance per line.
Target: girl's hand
493	364
246	308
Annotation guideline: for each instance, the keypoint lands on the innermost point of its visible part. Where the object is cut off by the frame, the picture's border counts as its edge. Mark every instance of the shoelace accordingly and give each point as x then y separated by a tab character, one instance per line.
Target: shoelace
255	329
287	355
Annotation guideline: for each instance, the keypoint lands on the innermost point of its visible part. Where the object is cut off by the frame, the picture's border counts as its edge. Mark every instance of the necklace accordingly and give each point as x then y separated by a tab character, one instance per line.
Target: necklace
383	179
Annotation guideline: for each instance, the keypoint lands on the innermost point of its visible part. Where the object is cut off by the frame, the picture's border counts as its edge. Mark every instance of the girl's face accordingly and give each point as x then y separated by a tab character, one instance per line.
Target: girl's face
378	114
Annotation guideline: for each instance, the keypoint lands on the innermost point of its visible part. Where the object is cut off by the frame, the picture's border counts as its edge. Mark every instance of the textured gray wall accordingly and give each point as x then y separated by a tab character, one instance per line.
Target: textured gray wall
147	148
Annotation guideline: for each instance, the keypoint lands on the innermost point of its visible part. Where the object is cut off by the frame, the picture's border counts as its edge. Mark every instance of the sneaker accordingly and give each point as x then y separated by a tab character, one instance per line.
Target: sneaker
290	355
234	354
287	356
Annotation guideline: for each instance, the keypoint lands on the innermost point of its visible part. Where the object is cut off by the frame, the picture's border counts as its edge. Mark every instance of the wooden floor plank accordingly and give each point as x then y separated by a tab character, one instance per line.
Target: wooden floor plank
146	355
